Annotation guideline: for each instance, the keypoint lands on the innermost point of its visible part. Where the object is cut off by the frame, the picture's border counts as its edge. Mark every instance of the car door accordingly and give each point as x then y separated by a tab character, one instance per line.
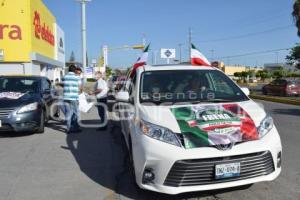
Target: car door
122	106
47	95
271	87
281	87
128	109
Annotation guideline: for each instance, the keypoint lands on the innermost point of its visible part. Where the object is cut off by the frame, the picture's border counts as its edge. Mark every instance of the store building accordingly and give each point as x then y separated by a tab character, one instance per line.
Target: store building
271	67
31	42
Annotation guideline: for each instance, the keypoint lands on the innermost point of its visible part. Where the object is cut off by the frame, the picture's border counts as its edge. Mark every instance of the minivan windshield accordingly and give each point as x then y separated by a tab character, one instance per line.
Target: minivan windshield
193	86
19	84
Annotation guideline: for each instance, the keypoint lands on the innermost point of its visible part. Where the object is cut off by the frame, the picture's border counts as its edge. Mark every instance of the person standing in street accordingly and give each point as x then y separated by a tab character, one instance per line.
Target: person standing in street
71	90
100	91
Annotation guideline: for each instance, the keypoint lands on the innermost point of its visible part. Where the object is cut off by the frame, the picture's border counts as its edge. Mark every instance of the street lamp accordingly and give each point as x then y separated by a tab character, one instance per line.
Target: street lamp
180	52
106	50
83	31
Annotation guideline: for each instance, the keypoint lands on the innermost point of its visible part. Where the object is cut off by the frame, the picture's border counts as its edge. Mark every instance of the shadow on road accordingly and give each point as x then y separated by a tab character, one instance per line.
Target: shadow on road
103	157
295	112
14	134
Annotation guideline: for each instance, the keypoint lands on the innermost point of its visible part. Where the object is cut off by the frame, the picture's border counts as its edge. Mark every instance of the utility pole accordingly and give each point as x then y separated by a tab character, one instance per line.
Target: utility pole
83	32
180	53
190	43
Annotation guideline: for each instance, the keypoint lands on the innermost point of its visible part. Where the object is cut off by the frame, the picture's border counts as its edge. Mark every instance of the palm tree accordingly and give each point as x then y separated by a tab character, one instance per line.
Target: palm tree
296	15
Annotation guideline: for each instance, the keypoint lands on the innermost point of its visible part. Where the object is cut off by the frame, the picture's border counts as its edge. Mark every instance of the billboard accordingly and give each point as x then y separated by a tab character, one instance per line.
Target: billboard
42	29
26	26
168	53
15	31
59	44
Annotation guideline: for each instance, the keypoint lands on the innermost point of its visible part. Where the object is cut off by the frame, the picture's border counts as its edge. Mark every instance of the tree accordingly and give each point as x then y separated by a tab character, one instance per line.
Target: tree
72	57
263	74
296	14
244	75
294	56
280	73
237	74
108	72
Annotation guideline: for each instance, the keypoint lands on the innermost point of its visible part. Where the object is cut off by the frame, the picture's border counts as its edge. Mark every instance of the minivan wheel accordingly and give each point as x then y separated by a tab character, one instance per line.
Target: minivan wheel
41	128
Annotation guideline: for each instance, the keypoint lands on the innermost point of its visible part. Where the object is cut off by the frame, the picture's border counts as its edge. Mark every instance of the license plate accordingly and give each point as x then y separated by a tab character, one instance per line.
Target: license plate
227	170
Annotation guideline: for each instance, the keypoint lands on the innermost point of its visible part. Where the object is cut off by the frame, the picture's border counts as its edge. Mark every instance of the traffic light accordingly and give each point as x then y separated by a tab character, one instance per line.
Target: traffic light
138	47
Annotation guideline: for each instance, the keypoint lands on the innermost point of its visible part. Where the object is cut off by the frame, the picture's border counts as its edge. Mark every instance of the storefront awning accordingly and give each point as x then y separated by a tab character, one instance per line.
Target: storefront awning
45	60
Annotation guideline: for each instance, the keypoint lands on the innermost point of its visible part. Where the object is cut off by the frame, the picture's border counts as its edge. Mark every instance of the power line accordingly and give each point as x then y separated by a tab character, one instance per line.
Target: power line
247	35
254	53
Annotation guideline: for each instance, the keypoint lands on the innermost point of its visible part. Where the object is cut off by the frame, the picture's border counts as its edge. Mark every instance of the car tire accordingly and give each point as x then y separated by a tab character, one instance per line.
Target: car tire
265	92
41	128
283	94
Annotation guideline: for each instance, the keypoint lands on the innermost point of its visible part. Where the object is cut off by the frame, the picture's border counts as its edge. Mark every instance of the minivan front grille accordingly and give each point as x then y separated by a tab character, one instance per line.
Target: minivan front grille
202	171
4	112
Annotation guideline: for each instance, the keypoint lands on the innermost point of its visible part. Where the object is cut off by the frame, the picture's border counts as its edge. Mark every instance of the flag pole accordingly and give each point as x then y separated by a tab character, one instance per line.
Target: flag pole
190	44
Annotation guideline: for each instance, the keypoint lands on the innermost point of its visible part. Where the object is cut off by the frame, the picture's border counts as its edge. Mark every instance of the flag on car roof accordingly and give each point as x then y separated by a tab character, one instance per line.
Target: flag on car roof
141	61
197	58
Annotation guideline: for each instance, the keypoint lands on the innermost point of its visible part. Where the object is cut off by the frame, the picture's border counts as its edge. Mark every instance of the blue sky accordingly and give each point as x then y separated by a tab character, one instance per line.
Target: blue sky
230	27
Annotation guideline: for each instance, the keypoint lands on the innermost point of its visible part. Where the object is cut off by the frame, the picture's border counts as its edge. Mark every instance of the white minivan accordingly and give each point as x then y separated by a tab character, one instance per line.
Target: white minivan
191	128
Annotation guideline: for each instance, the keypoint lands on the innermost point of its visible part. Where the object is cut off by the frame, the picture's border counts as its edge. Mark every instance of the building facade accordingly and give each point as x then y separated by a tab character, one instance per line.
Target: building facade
277	66
31	42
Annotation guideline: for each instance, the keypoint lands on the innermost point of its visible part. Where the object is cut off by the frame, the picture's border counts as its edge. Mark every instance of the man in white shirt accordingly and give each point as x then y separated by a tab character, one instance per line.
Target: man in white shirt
100	91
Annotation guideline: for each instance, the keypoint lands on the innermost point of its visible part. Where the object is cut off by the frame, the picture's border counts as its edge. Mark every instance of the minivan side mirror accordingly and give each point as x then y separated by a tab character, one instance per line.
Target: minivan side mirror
246	91
122	96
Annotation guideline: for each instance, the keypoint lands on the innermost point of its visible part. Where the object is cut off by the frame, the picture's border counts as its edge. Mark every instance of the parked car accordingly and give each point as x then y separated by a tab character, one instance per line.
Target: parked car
192	129
25	103
282	87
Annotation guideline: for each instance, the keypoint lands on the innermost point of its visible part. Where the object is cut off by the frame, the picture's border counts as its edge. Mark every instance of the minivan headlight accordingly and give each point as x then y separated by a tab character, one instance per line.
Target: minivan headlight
159	133
265	126
28	108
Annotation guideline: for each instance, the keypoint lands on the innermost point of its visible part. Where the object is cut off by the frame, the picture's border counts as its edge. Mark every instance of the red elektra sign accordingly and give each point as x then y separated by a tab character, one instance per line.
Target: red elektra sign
13	32
41	30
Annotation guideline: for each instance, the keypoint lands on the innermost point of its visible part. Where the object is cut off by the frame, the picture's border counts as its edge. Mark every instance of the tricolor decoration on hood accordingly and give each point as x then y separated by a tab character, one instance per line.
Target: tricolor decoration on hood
210	125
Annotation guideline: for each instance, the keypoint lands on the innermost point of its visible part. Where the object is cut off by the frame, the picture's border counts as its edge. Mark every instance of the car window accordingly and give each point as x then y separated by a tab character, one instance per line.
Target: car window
19	84
281	82
221	85
46	85
188	85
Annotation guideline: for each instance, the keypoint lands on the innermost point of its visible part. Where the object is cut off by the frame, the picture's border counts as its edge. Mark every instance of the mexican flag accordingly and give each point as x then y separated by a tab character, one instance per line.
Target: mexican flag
197	58
210	125
141	61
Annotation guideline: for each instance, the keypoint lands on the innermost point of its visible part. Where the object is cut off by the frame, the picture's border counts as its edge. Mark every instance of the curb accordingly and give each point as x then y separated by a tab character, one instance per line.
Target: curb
276	99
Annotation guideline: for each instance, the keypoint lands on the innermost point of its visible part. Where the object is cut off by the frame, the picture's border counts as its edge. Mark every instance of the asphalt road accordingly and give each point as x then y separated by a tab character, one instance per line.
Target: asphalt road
94	165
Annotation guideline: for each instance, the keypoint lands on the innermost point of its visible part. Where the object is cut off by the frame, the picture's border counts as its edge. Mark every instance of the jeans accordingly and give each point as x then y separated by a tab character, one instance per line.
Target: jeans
71	114
102	111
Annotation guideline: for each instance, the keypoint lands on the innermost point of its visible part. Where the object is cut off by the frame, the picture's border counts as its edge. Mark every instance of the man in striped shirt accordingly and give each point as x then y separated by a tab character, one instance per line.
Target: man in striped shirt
72	89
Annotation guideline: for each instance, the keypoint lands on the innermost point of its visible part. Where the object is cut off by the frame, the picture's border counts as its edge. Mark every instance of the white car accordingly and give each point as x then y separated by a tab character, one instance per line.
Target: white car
192	129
